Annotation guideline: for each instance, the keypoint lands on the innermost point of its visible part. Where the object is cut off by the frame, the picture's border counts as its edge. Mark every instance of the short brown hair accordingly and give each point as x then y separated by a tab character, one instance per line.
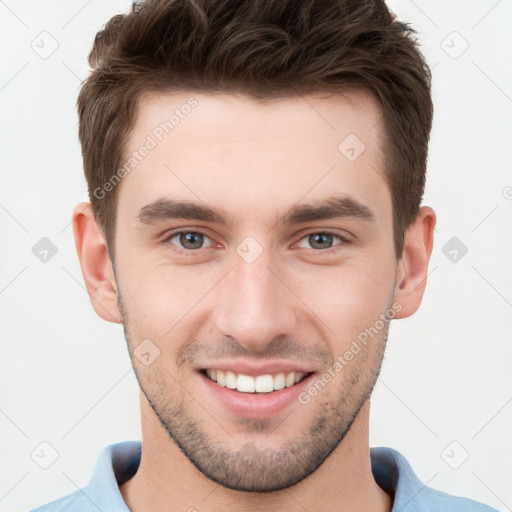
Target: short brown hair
264	49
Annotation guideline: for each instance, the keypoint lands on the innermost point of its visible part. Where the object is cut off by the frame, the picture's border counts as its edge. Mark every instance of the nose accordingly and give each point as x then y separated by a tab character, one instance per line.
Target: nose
256	304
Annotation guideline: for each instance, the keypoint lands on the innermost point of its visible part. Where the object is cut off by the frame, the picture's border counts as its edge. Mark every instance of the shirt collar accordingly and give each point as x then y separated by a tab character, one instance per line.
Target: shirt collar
394	474
117	463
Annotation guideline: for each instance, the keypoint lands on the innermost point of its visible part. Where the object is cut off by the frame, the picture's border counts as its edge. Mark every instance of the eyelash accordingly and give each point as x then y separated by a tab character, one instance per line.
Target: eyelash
192	252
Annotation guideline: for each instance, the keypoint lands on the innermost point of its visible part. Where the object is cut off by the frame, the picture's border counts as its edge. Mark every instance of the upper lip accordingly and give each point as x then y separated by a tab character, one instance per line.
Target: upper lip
253	369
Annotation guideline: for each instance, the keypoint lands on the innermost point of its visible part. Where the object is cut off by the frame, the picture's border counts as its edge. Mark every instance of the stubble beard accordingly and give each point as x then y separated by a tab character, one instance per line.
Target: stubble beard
255	468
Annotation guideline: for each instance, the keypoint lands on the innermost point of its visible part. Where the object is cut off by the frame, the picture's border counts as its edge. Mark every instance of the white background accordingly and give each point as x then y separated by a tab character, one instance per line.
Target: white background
65	375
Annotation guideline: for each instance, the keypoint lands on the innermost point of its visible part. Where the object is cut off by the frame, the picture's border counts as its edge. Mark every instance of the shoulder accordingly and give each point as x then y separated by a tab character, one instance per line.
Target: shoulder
443	502
77	501
395	475
115	464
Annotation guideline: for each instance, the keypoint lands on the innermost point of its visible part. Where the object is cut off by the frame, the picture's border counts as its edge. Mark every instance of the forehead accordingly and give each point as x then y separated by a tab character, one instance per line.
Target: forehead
233	151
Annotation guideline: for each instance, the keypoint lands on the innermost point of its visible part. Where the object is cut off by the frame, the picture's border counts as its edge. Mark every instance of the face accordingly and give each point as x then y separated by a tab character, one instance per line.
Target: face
254	248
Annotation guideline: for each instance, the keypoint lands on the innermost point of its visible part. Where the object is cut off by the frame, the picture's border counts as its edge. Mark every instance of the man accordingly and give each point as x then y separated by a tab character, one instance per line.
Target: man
256	171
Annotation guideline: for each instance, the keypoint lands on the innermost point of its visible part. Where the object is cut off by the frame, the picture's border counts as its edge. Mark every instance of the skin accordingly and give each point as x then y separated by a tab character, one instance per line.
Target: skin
296	302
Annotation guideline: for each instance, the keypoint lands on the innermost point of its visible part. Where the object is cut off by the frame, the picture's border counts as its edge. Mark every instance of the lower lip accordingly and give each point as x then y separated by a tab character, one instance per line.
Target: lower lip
255	405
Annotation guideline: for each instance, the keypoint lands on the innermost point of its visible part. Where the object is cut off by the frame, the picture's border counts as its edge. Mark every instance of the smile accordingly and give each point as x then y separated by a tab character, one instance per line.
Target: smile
266	383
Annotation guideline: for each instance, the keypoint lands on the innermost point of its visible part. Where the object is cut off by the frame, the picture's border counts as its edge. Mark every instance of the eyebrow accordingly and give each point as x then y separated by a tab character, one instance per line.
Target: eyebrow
330	208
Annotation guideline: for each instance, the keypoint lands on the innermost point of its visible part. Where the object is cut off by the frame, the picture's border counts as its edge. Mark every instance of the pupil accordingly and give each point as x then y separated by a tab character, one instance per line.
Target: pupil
321	238
191	240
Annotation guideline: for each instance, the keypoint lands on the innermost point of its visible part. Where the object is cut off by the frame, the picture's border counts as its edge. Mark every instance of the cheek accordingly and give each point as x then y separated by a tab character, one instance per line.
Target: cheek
348	298
158	296
162	298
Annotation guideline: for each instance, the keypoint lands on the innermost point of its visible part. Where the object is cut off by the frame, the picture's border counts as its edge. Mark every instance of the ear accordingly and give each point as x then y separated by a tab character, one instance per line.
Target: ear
413	266
95	261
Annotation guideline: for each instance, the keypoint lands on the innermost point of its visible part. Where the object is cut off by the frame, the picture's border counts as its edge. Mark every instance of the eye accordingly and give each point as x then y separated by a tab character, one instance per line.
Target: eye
322	240
187	240
191	241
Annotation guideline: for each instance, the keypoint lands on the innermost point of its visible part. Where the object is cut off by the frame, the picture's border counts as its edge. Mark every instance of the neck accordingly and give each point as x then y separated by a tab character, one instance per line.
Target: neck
165	476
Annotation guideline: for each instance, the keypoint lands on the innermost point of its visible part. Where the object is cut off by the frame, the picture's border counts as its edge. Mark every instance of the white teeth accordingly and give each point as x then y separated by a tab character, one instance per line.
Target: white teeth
221	378
279	381
230	380
264	383
260	384
245	383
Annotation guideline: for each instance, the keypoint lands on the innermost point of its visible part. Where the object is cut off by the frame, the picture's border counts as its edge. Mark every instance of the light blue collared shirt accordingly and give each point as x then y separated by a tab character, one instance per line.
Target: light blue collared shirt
117	463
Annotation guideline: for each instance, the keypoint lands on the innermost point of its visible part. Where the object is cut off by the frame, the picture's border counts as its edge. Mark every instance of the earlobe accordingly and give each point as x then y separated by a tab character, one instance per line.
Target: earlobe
95	263
413	266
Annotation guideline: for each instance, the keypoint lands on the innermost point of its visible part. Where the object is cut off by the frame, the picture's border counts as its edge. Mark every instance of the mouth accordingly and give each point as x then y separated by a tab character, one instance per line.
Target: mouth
257	384
245	389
